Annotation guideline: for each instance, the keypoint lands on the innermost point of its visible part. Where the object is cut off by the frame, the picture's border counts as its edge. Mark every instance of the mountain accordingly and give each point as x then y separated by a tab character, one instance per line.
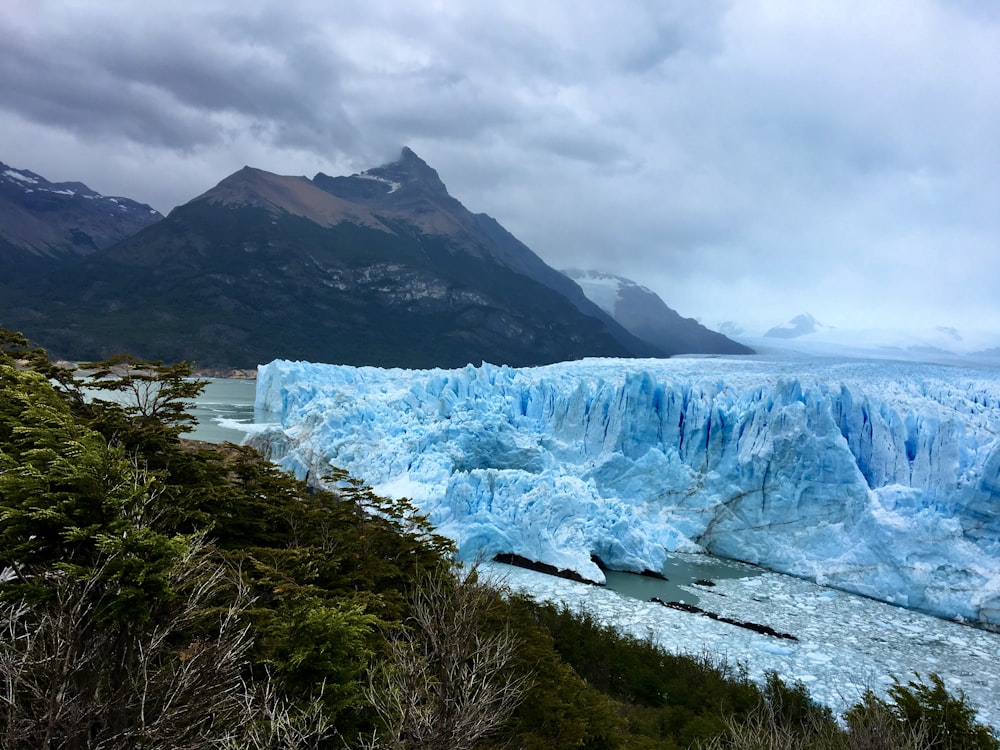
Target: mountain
45	224
941	344
800	325
644	314
410	192
381	268
881	478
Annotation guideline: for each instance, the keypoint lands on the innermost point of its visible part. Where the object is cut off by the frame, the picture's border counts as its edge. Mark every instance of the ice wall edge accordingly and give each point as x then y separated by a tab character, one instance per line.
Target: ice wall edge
882	479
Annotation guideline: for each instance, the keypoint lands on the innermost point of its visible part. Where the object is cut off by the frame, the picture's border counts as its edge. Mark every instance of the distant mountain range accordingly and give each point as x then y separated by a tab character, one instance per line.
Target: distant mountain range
940	344
379	268
47	224
642	312
800	325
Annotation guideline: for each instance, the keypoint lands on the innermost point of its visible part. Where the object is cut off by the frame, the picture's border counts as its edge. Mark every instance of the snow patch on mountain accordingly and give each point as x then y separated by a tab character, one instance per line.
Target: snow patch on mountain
393	186
20	176
643	314
604	290
878	478
21	179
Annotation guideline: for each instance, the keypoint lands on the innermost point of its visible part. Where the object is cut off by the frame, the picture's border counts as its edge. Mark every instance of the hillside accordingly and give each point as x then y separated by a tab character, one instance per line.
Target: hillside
46	224
265	266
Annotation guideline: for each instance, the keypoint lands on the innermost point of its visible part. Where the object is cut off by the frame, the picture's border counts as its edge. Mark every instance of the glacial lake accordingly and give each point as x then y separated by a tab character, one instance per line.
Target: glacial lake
222	410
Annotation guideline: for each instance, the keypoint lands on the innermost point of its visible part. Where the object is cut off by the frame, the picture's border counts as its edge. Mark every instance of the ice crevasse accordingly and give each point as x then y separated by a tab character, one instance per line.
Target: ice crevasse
878	478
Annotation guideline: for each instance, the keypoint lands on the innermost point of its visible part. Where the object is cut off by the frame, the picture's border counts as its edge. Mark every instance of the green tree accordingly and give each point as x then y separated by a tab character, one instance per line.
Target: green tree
114	600
946	721
71	502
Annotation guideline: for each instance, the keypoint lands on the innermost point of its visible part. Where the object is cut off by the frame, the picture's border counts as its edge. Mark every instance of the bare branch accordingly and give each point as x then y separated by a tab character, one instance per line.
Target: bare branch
447	682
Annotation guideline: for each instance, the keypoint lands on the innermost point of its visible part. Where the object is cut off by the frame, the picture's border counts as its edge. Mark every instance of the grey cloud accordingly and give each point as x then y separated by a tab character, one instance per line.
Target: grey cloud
181	84
90	101
743	158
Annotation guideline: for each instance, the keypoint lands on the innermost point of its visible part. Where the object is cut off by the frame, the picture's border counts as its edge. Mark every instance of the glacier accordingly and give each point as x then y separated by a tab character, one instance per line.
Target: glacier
879	478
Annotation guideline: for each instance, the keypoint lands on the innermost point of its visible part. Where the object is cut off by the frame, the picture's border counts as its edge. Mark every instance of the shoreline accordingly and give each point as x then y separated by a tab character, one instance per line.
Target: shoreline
226	373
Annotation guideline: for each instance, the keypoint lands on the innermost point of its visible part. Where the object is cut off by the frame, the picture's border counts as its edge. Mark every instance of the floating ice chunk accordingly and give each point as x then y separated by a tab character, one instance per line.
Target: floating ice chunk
775	648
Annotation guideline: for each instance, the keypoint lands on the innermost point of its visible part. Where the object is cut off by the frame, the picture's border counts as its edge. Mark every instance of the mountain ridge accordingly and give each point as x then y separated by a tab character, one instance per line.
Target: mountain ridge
44	224
264	266
252	187
382	267
643	313
411	191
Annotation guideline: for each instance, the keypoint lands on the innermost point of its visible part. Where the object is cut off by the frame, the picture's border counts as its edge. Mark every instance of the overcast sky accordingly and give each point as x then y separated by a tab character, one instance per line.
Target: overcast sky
747	160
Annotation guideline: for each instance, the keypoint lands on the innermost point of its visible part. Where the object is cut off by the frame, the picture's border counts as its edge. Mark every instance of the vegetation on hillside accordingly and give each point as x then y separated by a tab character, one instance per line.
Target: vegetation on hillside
231	286
161	593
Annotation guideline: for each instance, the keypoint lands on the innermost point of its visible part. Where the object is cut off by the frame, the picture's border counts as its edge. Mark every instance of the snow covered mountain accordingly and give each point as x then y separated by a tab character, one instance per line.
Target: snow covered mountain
936	344
800	325
43	224
644	314
878	478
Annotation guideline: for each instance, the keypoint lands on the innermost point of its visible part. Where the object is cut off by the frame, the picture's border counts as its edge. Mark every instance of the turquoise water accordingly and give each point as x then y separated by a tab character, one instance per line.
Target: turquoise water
680	570
223	406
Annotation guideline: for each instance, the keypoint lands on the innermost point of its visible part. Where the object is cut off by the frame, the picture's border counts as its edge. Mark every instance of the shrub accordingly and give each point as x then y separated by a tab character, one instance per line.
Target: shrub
946	721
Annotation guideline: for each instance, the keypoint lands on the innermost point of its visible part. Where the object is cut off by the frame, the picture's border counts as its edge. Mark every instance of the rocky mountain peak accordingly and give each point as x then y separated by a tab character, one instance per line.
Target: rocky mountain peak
409	191
408	171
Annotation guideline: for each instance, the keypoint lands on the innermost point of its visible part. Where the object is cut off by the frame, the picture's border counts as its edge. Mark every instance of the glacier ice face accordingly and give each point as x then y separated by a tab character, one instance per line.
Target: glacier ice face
881	478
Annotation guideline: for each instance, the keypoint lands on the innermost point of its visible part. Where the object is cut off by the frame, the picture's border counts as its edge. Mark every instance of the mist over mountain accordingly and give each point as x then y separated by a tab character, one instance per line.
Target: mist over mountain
800	325
938	344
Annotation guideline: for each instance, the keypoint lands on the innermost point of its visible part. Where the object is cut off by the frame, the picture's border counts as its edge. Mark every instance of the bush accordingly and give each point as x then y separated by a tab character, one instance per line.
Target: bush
945	721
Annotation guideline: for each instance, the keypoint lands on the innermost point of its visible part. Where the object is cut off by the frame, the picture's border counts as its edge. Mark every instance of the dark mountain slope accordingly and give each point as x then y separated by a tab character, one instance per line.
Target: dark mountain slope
265	266
410	192
45	224
644	314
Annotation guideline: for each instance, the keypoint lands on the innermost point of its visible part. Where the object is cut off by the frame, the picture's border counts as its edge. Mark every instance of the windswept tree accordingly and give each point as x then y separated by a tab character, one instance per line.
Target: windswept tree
96	593
73	676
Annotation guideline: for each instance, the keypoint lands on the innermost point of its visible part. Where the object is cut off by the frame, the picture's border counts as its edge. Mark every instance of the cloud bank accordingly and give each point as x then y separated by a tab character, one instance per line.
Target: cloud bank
745	160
